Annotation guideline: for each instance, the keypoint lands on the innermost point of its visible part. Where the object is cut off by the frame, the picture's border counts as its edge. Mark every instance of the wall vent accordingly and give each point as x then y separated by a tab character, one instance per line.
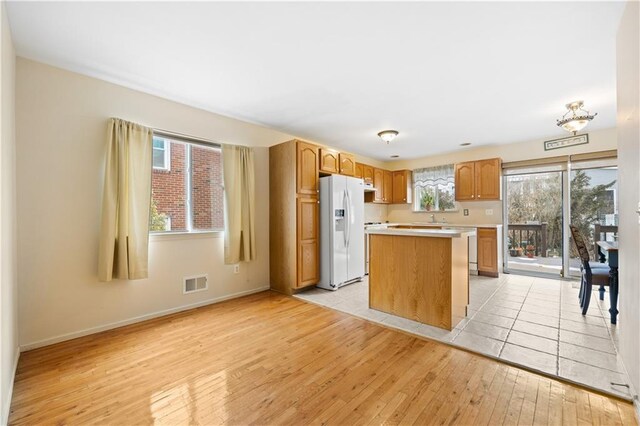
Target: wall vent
196	283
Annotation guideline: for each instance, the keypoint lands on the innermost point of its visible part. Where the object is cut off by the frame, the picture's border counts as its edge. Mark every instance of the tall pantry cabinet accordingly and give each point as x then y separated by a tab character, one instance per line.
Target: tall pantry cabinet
293	216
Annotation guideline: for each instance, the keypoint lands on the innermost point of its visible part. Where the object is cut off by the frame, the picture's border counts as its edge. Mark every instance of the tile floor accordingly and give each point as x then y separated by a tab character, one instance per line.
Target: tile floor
530	321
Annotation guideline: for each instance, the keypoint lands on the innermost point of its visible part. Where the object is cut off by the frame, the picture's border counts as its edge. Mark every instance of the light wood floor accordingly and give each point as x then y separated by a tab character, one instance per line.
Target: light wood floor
272	359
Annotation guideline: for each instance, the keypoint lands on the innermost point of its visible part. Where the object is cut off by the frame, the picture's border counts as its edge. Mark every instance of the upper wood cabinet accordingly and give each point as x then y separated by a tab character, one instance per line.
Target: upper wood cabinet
387	192
488	179
402	189
329	161
367	174
478	180
487	251
378	185
347	164
306	168
465	181
359	172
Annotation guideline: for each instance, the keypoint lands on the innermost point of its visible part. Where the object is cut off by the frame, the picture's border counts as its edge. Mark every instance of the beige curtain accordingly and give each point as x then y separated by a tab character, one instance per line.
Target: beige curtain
239	208
124	233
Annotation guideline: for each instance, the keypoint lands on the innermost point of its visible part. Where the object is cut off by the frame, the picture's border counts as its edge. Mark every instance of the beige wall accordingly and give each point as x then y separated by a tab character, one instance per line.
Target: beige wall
61	120
61	125
629	164
599	140
8	283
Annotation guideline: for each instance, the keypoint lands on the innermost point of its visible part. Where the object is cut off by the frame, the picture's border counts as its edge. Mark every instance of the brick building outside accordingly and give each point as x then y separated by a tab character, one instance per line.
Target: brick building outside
169	188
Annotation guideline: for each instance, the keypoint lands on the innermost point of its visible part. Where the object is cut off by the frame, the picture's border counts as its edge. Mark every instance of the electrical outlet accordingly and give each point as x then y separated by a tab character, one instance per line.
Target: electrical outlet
236	268
488	212
465	212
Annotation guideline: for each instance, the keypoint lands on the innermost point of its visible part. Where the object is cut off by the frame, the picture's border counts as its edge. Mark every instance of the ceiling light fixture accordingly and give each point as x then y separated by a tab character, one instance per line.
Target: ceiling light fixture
388	135
578	119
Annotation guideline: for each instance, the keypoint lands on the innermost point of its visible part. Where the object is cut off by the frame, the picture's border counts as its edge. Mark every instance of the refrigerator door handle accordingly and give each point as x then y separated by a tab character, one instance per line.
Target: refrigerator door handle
345	218
349	218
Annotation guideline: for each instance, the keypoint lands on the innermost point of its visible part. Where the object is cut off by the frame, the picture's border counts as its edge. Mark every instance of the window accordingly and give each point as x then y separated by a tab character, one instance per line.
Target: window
188	197
434	188
161	154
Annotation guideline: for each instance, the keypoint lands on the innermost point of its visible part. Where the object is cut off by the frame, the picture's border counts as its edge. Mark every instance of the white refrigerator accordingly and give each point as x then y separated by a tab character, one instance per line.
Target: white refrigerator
341	231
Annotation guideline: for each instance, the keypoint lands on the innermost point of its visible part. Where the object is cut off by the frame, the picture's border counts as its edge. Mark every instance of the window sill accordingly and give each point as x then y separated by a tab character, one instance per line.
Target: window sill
164	236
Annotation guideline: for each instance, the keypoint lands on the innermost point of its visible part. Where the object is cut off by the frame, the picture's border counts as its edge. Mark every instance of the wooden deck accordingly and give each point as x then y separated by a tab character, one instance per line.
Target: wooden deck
272	359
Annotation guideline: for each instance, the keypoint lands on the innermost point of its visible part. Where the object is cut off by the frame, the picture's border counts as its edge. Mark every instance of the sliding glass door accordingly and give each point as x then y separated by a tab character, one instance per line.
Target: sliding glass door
533	222
540	201
594	207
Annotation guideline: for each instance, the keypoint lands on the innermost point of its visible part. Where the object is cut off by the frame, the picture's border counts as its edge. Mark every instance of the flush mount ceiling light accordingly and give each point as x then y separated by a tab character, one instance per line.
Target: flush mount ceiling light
577	119
388	135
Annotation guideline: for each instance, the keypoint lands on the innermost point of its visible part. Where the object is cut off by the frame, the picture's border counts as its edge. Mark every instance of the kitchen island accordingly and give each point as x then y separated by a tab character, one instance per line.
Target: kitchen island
420	274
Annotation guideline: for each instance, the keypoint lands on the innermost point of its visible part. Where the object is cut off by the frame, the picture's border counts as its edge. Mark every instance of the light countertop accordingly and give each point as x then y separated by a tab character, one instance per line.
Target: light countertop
437	224
438	233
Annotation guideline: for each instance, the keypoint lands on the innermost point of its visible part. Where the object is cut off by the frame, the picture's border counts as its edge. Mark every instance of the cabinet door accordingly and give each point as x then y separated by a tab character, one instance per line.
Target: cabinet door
367	174
359	172
488	251
378	185
402	187
387	192
307	169
488	179
308	241
329	161
347	164
465	181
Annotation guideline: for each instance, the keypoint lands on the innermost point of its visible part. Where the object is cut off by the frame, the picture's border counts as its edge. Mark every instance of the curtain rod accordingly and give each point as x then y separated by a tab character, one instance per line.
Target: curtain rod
186	138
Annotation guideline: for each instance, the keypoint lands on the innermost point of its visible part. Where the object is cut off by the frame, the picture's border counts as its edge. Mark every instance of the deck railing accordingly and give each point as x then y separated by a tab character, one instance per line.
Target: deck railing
524	234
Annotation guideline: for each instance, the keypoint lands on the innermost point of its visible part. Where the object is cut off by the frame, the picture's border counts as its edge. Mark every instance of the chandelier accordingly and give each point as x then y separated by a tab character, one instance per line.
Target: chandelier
576	118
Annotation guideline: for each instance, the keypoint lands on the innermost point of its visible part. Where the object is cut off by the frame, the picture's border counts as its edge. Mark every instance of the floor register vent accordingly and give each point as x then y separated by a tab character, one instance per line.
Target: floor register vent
197	283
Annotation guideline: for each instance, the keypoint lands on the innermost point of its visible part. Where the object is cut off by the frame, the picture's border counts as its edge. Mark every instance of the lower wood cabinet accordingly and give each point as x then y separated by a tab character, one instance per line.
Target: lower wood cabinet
308	241
487	251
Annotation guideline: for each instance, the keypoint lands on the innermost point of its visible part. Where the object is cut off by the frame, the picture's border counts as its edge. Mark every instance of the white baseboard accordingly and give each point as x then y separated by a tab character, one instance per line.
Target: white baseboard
110	326
6	404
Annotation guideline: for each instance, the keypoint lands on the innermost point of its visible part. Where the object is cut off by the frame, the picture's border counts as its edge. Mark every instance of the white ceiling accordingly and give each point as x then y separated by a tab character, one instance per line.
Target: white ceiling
337	73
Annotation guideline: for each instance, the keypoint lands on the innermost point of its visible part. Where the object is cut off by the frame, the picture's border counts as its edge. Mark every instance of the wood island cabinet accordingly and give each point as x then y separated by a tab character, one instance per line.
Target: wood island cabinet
329	161
478	180
294	242
347	164
402	187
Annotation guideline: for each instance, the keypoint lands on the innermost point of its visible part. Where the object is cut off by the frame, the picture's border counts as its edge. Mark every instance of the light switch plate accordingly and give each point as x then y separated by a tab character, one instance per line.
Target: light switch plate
488	212
465	212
